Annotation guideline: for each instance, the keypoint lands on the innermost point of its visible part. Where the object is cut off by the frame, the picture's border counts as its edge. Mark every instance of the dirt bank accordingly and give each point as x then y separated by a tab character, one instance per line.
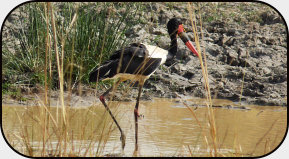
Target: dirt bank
238	46
246	52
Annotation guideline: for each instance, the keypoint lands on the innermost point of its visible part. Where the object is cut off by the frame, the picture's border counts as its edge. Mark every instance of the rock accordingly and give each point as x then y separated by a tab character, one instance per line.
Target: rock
159	31
189	74
266	71
271	17
164	42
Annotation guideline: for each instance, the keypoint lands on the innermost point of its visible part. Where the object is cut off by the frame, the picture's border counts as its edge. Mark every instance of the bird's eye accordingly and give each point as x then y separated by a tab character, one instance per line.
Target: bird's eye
185	30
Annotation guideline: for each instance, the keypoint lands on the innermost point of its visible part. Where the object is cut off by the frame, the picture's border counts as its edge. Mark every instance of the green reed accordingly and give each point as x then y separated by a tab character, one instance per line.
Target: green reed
98	31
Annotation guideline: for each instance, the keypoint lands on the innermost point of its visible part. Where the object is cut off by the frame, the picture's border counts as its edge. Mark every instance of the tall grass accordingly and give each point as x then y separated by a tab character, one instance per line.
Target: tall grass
57	45
211	116
212	141
98	30
30	139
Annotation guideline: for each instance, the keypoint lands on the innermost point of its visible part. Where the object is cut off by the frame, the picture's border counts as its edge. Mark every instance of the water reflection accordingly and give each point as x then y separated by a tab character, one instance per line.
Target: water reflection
167	129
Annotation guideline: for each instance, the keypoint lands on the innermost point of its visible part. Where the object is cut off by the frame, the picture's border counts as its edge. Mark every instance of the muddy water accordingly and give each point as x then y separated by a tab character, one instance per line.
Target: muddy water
167	129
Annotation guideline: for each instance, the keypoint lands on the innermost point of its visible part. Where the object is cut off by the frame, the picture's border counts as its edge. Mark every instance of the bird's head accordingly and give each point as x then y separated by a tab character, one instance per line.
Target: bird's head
175	27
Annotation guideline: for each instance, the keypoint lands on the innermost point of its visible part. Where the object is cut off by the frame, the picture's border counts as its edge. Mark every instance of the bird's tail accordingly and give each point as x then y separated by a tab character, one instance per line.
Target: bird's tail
100	73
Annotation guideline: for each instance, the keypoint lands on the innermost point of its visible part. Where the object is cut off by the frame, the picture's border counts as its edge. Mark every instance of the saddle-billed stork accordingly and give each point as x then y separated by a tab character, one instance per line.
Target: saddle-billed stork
136	63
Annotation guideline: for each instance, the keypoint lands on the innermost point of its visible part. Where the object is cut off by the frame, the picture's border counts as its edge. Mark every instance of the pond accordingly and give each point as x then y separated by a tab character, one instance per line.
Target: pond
167	128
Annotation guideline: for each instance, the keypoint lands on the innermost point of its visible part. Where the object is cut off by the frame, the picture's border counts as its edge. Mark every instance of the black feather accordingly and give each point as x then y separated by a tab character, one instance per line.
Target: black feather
134	60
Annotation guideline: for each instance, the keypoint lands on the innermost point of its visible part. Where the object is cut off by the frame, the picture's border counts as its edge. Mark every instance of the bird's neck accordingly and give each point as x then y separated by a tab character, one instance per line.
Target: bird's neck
173	48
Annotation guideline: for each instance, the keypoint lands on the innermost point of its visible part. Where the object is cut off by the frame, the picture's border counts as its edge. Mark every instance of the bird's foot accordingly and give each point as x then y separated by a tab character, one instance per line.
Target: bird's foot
122	139
135	153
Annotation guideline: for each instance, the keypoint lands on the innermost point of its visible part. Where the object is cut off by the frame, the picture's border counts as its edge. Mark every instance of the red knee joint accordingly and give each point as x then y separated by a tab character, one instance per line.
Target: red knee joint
136	112
101	98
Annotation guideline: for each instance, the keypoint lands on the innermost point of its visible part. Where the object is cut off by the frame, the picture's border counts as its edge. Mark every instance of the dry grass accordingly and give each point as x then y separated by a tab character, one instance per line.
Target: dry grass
43	133
53	128
51	132
211	116
212	141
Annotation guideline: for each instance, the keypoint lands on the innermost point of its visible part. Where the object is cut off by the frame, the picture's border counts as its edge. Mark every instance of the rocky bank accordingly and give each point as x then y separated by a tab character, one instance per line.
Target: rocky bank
246	54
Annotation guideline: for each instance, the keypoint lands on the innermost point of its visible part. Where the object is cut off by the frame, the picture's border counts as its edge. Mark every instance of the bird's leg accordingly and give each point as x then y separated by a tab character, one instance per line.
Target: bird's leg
136	115
102	99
